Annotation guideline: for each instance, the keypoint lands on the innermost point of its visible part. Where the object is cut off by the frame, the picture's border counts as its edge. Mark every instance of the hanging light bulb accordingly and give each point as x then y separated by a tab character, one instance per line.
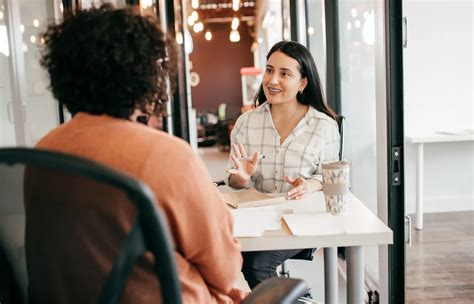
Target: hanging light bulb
195	15
179	38
190	21
36	23
195	4
235	23
208	36
234	36
235	5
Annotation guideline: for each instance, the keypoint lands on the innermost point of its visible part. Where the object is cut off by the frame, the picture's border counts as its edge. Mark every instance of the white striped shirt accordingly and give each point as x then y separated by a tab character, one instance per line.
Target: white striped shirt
314	140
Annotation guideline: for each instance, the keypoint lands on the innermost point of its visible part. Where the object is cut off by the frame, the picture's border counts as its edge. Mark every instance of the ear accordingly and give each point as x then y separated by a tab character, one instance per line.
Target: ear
304	83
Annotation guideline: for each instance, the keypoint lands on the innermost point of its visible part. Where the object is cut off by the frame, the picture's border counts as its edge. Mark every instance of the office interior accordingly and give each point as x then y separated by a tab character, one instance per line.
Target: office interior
223	49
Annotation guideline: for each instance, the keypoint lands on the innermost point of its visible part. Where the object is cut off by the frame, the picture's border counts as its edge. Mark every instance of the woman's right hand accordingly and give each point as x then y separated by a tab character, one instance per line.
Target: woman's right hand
243	166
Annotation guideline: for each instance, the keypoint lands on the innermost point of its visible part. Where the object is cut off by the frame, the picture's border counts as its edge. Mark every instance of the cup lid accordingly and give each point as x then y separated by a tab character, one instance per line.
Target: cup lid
336	165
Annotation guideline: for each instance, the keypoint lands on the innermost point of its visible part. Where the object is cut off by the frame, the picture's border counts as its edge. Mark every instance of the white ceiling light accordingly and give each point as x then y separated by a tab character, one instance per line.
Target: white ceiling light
190	21
310	30
235	5
36	23
179	38
195	15
234	36
354	12
235	23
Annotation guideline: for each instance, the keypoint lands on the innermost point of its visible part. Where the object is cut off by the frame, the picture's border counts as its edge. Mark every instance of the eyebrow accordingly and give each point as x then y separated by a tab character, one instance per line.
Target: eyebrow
283	69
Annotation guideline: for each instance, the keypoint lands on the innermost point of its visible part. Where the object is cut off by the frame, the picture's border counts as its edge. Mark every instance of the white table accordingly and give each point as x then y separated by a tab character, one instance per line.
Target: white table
363	229
420	140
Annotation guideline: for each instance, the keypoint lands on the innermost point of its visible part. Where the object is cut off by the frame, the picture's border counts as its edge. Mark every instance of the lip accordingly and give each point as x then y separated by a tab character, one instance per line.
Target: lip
273	91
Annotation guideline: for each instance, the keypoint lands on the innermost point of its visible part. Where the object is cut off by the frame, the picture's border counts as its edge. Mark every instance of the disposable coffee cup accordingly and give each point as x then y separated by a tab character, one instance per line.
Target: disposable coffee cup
336	186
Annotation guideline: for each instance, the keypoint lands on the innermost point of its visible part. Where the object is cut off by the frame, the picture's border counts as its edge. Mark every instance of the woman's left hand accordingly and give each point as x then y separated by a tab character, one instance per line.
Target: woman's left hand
301	187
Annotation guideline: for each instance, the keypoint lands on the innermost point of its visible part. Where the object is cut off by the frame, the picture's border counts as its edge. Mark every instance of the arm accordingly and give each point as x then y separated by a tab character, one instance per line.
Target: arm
200	222
240	170
329	153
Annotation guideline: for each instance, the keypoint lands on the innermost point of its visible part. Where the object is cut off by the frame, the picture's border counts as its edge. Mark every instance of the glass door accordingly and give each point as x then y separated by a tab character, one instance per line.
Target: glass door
28	109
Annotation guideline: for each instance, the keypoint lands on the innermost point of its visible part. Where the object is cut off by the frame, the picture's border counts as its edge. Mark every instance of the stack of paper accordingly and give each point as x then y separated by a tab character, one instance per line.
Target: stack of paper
250	198
314	224
252	222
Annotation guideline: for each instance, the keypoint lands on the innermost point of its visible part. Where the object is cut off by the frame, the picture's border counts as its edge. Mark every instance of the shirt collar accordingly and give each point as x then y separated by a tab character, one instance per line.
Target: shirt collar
311	115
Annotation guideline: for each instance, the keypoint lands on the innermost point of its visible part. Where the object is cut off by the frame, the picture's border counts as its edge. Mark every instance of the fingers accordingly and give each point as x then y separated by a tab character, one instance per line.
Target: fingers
236	151
300	189
255	158
236	161
242	150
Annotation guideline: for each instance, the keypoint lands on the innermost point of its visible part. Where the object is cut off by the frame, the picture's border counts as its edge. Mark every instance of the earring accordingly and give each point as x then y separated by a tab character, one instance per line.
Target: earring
301	91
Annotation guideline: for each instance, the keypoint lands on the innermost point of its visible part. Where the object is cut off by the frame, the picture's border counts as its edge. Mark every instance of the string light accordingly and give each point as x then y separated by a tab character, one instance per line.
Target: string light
208	36
36	23
195	4
235	23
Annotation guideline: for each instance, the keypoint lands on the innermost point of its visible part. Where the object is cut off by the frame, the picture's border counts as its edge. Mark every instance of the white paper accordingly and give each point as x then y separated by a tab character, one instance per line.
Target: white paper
252	222
314	224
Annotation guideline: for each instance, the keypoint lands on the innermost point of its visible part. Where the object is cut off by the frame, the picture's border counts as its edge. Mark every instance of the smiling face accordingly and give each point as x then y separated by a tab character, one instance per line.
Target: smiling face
282	79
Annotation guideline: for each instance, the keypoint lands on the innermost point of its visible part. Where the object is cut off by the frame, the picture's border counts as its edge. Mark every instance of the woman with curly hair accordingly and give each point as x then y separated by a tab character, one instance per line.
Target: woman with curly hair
103	64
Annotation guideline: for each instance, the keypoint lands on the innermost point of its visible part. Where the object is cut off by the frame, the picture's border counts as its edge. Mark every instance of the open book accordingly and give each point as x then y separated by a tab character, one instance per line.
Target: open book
250	198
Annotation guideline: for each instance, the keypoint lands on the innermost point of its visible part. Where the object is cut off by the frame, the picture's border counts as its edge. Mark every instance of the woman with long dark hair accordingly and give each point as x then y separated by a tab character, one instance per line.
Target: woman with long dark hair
279	145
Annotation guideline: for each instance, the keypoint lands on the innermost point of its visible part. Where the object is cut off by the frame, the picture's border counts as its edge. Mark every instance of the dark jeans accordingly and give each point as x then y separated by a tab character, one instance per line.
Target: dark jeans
261	265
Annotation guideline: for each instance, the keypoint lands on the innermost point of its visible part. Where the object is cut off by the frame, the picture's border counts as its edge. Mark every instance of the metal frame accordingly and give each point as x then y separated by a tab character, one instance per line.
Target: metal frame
395	140
333	70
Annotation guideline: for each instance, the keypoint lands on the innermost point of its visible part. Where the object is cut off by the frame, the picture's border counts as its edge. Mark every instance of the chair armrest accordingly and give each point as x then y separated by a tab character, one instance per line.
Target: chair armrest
277	290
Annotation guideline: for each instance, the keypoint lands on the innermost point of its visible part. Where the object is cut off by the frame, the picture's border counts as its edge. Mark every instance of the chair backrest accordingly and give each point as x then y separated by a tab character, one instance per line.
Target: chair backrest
340	124
148	230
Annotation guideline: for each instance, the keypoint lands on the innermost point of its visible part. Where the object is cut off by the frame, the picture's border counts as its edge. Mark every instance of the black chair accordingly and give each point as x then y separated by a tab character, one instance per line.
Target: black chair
148	231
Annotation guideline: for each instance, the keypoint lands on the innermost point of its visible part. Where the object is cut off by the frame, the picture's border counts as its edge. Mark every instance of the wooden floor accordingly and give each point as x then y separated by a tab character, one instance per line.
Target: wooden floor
440	261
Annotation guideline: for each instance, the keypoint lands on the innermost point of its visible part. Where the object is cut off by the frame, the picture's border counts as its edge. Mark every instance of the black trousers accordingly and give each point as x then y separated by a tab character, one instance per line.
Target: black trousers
261	265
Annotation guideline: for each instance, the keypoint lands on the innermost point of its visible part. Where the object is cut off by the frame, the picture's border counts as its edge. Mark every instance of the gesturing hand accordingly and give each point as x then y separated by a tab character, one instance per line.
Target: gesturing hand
302	187
243	167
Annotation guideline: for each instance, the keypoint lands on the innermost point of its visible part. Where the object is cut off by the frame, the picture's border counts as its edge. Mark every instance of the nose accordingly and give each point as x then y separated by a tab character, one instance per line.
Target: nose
273	78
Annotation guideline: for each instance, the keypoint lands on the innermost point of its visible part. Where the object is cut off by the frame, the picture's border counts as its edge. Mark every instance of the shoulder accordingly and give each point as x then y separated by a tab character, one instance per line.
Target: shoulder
321	119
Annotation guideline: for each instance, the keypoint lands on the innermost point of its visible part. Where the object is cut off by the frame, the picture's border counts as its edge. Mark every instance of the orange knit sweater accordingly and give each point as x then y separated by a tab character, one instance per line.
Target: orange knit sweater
207	255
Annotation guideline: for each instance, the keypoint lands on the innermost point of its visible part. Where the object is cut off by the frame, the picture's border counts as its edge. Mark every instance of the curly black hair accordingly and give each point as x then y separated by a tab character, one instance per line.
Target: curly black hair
109	61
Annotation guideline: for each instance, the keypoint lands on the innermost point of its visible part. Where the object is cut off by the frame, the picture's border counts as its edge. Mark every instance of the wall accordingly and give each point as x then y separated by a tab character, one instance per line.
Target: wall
218	64
438	82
